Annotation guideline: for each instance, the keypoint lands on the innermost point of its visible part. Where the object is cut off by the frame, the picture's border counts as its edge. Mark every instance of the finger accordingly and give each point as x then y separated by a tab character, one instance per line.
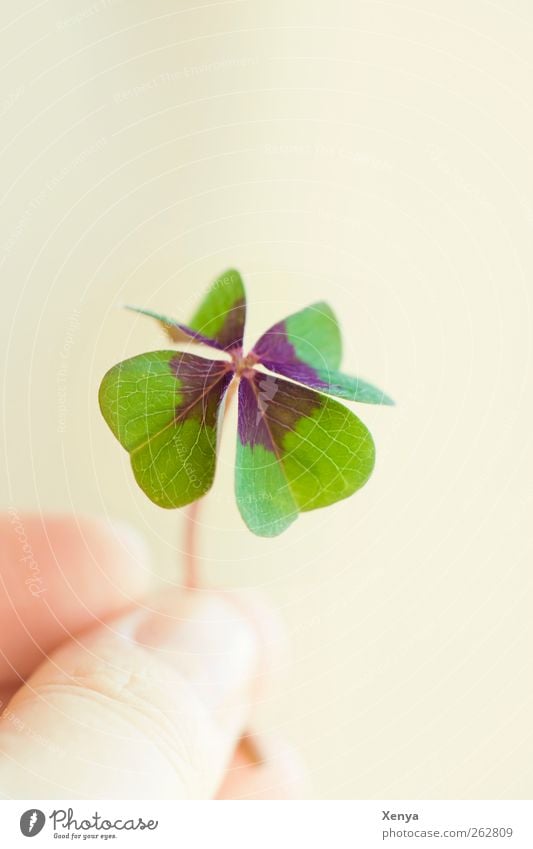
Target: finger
281	775
150	708
57	576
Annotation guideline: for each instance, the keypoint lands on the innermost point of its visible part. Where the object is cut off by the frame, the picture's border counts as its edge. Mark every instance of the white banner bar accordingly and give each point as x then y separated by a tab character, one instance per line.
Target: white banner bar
270	825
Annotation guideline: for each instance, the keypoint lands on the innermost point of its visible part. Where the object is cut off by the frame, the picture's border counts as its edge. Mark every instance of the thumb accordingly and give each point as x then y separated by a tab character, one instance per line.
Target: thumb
148	706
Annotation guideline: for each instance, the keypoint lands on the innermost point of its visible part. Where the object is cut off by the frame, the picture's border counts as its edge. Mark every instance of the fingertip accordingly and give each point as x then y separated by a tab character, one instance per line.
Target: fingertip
60	574
122	552
69	545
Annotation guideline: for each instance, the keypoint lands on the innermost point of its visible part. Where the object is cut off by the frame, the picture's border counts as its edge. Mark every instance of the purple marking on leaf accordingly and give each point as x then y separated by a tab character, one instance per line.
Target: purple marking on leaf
230	336
252	427
275	352
298	371
269	408
275	345
202	383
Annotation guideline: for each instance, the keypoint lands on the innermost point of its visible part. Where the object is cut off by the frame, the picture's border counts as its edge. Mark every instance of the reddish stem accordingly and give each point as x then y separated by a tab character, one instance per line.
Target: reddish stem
191	580
192	577
247	744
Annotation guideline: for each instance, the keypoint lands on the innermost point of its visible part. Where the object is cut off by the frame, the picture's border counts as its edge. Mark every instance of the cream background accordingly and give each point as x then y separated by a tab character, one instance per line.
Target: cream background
375	153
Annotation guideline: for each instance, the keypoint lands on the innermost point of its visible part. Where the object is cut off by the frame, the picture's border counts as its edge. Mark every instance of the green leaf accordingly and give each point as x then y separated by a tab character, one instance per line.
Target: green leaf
310	337
219	320
163	408
176	332
296	451
306	347
221	315
333	383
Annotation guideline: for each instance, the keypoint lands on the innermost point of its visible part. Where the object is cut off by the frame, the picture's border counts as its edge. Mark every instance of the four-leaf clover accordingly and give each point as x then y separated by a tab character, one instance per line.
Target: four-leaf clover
297	448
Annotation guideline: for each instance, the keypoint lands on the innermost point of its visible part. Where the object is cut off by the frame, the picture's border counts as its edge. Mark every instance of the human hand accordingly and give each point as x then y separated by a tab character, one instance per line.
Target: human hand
110	692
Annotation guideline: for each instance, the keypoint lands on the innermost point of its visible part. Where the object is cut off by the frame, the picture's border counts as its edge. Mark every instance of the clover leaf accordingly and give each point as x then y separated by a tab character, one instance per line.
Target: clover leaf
297	448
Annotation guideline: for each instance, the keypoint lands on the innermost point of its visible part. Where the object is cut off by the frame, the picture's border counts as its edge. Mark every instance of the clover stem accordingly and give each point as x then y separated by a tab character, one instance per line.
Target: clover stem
191	565
191	580
248	744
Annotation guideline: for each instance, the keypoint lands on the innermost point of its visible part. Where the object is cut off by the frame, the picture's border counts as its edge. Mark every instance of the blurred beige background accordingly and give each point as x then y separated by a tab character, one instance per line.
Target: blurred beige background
374	153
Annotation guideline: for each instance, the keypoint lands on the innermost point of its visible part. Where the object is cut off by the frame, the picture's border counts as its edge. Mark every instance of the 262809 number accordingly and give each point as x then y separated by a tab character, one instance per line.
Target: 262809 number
491	831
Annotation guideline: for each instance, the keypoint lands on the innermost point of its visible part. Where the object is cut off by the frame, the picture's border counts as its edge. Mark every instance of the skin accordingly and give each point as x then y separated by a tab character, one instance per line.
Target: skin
110	690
